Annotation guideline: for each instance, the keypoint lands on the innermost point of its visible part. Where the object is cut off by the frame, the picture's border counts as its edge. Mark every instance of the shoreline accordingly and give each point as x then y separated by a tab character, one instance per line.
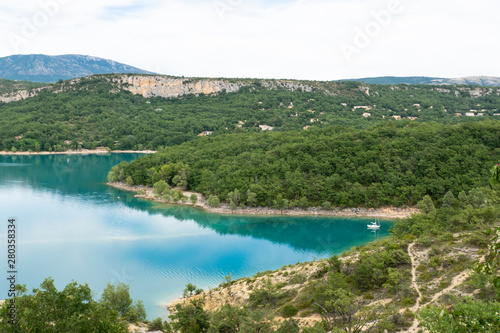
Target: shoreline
78	152
384	212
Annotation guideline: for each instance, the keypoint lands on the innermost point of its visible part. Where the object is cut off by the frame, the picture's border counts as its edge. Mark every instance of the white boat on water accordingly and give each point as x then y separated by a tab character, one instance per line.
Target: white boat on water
374	225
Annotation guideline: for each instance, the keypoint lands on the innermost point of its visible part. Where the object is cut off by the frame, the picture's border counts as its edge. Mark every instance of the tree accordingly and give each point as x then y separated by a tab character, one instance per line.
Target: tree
193	198
394	278
213	201
176	180
426	205
71	310
117	297
495	175
280	203
327	205
235	197
136	313
159	325
232	205
304	203
448	200
129	181
251	198
462	199
189	290
190	318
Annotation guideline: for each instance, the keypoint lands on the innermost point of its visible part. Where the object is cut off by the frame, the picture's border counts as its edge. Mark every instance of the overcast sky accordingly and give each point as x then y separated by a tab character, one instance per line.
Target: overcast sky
296	39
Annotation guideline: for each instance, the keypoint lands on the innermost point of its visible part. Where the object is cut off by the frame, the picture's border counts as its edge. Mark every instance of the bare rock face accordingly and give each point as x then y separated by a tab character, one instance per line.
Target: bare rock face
20	95
163	86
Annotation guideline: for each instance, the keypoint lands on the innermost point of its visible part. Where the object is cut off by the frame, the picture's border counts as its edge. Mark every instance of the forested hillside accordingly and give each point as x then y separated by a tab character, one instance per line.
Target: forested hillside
91	112
395	163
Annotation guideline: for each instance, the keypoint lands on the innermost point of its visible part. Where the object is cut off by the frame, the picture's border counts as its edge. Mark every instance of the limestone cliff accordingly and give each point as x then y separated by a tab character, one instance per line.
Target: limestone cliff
20	95
164	86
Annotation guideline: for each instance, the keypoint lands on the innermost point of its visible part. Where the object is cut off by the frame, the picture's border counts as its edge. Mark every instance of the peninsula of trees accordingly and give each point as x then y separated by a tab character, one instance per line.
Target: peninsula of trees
396	163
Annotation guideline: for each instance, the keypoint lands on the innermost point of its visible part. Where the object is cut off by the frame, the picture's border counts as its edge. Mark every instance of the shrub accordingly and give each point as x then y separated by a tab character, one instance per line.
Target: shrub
193	198
289	310
213	201
156	325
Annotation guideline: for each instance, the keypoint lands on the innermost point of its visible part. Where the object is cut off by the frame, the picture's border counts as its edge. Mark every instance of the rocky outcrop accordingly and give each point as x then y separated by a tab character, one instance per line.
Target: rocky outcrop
165	86
20	95
287	85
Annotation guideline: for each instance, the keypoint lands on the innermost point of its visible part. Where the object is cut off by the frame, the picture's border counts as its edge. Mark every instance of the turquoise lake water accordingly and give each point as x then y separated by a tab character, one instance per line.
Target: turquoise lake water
72	226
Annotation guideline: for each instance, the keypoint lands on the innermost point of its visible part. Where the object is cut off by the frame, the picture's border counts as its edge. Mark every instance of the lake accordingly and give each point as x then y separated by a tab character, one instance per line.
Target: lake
72	226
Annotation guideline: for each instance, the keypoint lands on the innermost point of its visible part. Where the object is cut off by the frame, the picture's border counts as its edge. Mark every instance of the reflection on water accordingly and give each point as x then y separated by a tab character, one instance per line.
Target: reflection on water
74	227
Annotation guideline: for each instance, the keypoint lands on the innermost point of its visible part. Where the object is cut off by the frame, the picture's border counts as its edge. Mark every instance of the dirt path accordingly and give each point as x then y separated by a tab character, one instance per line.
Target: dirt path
455	282
416	307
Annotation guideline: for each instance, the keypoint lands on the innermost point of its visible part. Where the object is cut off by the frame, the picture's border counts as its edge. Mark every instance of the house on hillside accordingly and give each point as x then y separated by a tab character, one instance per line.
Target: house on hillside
366	114
266	127
469	114
397	117
205	133
367	108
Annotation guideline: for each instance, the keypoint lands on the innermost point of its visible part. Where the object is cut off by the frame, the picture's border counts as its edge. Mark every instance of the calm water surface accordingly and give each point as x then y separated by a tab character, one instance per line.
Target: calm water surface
71	226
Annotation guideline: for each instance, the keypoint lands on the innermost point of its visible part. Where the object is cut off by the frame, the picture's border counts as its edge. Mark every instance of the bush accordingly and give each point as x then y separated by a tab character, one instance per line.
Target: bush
288	326
193	198
289	310
326	205
213	201
156	325
161	188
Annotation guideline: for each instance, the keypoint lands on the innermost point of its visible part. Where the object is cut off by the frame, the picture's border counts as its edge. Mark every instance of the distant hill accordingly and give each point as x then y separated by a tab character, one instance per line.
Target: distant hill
45	68
475	80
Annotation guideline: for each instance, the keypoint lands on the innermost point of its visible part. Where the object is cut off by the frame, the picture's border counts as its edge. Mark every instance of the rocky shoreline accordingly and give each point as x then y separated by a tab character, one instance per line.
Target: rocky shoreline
385	212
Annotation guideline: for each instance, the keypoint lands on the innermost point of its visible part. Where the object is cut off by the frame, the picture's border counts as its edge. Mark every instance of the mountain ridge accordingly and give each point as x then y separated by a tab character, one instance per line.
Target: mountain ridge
50	69
466	80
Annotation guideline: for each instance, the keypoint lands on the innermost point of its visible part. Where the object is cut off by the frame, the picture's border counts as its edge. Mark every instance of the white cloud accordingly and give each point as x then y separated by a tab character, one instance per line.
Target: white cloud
279	39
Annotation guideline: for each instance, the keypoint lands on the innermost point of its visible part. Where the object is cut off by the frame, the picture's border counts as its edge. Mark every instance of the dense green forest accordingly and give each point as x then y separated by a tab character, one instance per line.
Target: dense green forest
92	112
395	163
9	86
